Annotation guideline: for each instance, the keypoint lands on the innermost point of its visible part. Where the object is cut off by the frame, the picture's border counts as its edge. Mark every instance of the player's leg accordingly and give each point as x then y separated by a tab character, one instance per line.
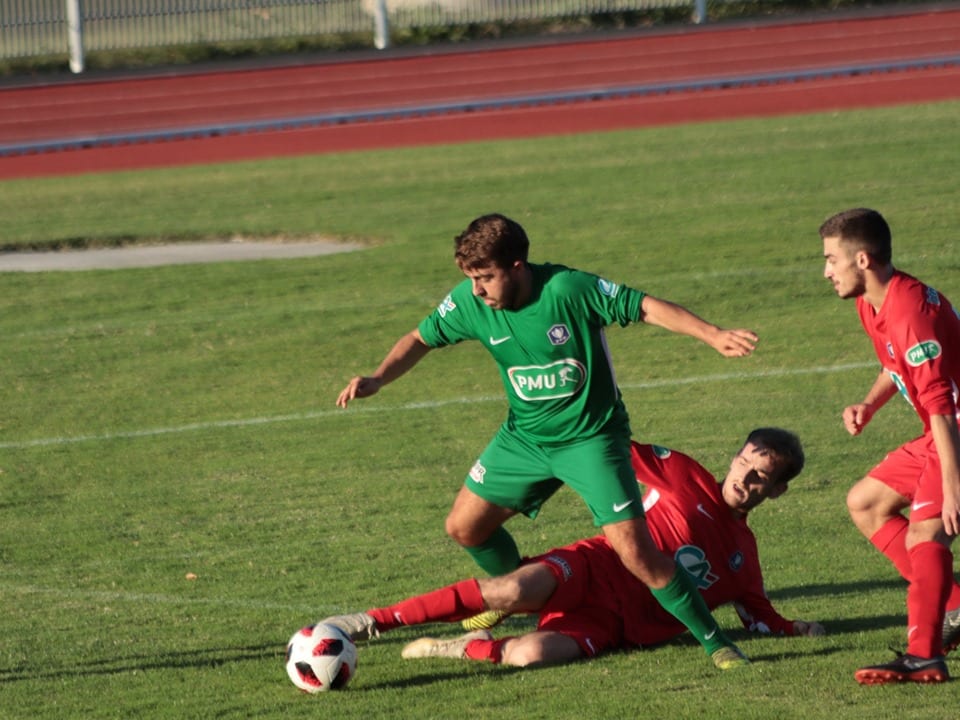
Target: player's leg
876	504
931	579
632	542
673	588
600	471
526	589
539	648
510	477
872	504
477	526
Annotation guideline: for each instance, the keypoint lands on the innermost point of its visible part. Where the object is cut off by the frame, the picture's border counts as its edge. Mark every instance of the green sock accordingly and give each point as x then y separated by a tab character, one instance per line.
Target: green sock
681	599
498	555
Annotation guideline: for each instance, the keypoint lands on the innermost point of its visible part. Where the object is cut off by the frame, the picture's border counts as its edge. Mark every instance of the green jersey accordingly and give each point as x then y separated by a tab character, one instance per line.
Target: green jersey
552	353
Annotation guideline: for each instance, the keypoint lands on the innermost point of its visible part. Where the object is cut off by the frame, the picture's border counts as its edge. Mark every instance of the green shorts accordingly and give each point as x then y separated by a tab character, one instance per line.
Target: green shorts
514	473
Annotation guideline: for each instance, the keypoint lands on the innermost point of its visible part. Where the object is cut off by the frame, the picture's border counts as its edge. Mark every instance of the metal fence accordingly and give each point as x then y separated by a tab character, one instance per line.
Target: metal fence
38	28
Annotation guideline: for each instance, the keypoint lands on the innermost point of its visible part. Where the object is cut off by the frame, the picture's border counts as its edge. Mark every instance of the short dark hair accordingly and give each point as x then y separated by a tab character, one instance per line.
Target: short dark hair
491	240
785	445
861	229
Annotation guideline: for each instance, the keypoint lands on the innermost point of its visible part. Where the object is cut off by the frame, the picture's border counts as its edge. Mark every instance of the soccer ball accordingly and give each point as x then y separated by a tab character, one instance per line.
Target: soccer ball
321	657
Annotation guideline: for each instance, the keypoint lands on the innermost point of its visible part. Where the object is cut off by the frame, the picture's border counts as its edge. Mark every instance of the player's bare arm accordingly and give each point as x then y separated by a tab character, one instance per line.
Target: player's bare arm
857	416
946	437
406	353
673	317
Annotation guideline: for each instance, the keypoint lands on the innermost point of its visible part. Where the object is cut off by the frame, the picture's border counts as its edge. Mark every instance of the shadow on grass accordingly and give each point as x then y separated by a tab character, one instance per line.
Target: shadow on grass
206	658
836	590
216	657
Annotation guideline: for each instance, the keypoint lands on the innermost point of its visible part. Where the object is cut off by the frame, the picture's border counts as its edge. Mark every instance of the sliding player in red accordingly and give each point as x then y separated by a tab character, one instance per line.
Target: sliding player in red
588	602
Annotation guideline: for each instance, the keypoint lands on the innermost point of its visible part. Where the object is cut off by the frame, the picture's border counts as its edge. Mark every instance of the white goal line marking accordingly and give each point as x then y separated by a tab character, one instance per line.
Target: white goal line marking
298	417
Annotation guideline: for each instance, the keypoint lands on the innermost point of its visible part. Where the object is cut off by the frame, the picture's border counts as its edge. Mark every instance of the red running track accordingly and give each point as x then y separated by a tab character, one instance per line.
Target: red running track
92	109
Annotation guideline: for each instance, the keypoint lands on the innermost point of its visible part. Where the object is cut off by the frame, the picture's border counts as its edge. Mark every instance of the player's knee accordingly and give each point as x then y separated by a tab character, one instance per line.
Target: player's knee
858	500
461	534
504	592
523	651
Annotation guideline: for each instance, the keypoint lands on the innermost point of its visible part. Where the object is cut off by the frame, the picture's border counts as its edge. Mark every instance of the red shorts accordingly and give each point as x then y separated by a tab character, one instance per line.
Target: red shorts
585	604
913	471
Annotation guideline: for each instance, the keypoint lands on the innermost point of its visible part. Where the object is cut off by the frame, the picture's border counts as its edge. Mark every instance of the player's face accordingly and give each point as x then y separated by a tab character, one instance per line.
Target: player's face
751	479
842	269
498	287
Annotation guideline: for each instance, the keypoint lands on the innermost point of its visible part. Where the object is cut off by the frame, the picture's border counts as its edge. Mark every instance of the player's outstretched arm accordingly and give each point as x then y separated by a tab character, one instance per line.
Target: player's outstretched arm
406	353
673	317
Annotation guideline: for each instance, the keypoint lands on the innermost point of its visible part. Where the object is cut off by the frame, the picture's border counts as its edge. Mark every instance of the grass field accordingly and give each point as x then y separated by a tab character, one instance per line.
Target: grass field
170	421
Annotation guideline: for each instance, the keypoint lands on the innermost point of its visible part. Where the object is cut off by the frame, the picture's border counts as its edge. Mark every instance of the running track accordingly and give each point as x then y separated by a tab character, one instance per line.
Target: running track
390	100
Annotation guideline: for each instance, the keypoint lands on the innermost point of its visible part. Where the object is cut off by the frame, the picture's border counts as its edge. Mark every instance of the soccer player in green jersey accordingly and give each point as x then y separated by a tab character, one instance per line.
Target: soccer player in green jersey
567	424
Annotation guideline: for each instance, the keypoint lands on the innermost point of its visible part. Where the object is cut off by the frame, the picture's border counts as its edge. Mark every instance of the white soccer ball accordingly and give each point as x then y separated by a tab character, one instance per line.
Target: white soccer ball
321	657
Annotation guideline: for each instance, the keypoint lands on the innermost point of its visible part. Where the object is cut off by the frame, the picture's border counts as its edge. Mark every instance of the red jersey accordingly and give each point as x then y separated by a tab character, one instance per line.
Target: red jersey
916	335
688	520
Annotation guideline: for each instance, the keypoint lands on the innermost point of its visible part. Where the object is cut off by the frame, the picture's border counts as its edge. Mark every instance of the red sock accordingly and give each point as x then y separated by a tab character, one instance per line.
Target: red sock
491	650
891	541
932	575
449	604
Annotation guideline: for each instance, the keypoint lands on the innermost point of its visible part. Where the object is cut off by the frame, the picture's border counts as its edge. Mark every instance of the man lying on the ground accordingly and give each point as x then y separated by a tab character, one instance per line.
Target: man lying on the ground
586	599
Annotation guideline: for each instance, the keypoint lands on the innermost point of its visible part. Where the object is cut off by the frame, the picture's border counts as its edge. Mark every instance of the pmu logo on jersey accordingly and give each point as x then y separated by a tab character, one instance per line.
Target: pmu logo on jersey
558	334
448	305
694	561
562	378
933	297
922	352
607	288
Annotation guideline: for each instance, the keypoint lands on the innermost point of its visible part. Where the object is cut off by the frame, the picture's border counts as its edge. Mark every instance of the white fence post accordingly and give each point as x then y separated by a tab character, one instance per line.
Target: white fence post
75	35
381	27
699	11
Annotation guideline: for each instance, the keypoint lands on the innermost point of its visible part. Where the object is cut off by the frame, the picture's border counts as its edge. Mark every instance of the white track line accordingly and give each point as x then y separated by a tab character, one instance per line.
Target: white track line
298	417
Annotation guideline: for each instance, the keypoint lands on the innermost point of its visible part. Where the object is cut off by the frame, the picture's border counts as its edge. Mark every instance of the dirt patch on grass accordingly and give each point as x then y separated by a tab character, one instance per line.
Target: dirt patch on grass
131	256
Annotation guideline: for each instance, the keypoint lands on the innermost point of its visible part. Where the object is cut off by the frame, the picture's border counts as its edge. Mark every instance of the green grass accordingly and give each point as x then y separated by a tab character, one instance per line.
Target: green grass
164	421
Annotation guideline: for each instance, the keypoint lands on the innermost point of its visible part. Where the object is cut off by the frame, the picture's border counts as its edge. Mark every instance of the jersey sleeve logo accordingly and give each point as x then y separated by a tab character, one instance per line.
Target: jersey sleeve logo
448	305
933	297
610	289
548	382
922	352
661	452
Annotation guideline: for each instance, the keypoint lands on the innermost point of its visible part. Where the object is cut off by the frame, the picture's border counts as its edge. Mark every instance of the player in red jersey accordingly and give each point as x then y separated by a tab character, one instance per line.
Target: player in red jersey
916	334
588	602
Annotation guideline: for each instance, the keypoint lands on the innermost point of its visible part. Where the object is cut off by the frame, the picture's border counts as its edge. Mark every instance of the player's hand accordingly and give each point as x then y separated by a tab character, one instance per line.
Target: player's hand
810	629
359	387
951	513
856	417
735	343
